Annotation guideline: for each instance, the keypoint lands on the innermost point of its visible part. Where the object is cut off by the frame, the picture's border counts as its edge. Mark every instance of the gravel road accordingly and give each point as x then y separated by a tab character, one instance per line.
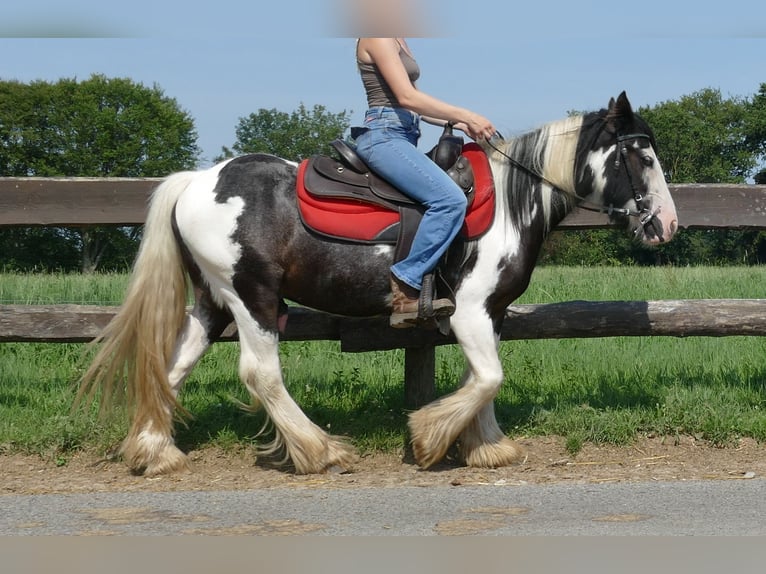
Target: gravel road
733	507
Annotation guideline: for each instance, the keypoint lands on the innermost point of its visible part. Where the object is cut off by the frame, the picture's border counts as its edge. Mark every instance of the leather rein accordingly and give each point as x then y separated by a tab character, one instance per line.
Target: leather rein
643	214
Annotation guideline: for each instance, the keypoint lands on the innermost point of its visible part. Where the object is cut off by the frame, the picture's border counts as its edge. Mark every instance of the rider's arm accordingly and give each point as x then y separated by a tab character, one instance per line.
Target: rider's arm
384	52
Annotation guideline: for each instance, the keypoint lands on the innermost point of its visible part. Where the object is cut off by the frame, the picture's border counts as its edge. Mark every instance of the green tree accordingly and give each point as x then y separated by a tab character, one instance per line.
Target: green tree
706	138
756	124
703	138
93	128
294	136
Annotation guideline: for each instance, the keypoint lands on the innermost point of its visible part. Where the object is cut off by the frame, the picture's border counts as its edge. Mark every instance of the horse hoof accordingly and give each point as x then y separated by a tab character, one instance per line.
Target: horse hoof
424	457
504	452
428	444
165	458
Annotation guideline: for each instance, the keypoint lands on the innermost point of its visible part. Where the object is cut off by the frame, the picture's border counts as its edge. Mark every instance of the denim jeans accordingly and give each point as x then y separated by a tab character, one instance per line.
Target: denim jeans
388	146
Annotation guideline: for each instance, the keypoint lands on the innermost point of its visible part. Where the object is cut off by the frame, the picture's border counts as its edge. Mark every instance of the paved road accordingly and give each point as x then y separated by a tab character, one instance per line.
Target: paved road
735	507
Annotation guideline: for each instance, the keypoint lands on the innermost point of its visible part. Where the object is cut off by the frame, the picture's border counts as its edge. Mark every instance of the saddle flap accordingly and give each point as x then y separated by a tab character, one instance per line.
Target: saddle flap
328	177
333	170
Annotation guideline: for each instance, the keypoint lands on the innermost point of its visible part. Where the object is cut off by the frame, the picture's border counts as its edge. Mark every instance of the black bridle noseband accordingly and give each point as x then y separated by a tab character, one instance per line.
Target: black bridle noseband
643	214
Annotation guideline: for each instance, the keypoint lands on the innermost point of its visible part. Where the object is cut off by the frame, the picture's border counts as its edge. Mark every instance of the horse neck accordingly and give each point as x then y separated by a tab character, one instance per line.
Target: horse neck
536	197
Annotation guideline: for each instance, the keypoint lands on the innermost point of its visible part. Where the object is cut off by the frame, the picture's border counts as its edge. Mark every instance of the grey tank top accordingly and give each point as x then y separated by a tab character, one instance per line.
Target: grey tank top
378	91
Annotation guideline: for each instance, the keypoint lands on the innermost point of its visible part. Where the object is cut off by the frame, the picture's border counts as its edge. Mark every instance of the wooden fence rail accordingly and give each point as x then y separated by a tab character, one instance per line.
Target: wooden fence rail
566	320
122	201
116	201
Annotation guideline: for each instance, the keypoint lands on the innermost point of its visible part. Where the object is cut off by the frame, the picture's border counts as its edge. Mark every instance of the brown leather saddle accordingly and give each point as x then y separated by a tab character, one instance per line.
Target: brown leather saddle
348	177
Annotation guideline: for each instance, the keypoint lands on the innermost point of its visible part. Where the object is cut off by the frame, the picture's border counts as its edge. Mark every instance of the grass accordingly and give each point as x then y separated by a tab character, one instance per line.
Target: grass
587	390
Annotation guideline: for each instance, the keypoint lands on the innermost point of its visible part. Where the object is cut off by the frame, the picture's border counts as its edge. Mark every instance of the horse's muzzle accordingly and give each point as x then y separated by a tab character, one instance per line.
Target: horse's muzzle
656	227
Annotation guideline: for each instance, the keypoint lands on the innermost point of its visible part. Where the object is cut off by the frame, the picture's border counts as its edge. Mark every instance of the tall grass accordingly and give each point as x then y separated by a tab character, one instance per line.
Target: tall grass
602	390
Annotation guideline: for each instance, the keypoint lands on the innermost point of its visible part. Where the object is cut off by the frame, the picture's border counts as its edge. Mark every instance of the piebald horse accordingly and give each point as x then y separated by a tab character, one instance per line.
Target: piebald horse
234	231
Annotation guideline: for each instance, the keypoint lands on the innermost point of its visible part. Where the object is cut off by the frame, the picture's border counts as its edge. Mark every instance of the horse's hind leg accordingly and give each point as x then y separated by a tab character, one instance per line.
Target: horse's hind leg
310	448
150	447
205	323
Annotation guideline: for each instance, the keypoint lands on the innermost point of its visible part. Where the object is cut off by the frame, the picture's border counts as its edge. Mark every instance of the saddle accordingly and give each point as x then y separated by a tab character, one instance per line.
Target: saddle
343	199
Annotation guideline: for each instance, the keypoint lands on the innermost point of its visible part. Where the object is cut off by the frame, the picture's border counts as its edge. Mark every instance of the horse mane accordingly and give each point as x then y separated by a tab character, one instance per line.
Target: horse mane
548	151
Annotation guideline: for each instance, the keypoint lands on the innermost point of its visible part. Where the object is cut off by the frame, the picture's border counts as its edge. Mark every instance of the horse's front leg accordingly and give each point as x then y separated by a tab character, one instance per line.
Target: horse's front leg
436	426
483	444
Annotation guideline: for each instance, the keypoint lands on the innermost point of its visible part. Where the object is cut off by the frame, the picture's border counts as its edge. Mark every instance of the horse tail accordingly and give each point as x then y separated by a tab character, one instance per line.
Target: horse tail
136	346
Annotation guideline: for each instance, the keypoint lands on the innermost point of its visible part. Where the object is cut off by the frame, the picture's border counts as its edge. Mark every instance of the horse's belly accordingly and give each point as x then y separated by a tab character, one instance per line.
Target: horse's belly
342	279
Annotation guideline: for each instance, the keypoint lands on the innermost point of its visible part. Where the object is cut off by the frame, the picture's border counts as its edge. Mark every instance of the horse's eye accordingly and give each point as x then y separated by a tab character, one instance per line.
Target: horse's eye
648	161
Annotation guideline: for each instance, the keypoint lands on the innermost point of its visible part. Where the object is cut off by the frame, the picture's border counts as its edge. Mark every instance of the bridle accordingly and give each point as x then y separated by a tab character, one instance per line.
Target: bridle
643	214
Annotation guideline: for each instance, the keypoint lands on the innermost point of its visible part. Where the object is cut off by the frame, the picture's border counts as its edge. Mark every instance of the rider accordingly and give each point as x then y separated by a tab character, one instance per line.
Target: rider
387	143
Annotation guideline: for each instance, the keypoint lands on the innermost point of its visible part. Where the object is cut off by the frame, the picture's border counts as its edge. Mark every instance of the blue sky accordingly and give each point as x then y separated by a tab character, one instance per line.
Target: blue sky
519	64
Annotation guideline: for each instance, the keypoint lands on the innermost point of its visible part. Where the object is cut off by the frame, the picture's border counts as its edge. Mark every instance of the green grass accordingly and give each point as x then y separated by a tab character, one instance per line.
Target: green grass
601	390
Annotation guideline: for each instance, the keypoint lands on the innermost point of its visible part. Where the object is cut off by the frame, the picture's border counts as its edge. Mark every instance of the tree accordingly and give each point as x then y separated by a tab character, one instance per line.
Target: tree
702	138
93	128
705	138
294	136
756	125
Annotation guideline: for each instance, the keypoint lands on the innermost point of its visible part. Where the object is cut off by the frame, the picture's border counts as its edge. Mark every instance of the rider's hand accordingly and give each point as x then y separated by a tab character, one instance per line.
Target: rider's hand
477	127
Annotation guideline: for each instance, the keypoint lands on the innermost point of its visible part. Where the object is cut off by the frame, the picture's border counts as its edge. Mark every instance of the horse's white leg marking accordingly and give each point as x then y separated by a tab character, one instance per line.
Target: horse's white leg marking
308	446
159	448
191	345
437	425
483	443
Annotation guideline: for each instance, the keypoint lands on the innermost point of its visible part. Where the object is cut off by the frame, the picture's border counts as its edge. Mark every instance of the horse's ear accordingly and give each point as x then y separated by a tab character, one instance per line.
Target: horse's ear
620	108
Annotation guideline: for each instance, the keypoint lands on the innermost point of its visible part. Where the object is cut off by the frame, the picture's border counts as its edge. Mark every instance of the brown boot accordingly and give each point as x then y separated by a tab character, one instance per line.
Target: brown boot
405	307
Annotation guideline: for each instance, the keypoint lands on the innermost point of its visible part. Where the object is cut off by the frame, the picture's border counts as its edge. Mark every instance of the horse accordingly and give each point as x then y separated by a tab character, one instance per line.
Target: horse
234	232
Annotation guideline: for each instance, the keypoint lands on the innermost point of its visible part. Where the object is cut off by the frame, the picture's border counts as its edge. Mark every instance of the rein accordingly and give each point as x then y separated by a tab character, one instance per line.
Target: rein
644	215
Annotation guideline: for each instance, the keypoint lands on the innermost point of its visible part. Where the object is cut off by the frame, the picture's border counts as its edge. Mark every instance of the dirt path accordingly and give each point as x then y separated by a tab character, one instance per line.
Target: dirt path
548	462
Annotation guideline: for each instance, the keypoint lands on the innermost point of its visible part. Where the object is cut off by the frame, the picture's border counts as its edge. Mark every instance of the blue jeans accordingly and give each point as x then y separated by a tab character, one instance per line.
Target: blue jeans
388	146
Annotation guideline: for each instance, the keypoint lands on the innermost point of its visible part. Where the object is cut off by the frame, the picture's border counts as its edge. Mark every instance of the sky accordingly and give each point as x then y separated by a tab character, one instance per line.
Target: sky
520	64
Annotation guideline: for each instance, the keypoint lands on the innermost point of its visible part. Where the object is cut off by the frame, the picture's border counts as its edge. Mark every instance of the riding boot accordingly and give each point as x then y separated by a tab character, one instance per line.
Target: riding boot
405	307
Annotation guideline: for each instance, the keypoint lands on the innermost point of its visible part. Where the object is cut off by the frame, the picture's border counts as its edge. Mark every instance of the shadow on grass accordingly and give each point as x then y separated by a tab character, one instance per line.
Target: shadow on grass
365	414
361	417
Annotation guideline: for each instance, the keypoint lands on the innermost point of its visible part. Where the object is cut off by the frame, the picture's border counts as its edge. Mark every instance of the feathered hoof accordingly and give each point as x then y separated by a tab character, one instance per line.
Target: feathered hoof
428	446
165	458
338	456
343	456
423	456
503	452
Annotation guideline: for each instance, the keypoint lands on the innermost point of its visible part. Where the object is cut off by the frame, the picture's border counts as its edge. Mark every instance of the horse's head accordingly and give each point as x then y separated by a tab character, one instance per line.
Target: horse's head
621	170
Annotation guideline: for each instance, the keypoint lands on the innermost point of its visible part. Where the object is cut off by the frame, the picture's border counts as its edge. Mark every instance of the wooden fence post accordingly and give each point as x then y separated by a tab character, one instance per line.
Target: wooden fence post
419	375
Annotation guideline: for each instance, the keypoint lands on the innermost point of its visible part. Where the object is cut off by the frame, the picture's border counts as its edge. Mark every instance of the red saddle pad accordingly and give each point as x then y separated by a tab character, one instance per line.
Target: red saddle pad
354	220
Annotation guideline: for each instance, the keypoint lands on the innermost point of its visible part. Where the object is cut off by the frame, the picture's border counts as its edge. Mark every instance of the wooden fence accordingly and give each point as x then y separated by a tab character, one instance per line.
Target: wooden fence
85	201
